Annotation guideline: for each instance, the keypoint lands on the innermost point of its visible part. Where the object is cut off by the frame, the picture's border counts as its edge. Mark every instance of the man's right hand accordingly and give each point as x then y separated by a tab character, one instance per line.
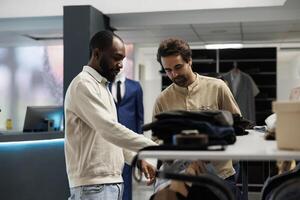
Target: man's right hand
149	172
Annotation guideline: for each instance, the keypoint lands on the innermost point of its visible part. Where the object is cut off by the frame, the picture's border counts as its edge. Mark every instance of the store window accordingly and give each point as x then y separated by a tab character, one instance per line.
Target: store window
128	61
33	76
29	76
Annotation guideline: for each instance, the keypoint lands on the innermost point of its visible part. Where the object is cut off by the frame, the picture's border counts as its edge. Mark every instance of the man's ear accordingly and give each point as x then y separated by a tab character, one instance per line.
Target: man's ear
190	61
97	53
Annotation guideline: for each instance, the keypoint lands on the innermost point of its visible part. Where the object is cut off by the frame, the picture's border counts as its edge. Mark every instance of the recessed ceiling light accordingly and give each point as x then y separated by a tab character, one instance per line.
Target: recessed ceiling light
224	46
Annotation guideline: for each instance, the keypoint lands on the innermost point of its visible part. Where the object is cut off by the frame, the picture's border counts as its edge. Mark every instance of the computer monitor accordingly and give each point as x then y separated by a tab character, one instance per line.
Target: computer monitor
43	118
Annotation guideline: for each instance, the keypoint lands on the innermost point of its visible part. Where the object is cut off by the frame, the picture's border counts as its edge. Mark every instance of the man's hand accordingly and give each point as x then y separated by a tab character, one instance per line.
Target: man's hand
149	171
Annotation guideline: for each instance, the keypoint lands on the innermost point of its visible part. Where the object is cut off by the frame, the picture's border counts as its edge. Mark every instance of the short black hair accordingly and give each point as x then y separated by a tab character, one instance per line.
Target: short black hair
102	40
174	46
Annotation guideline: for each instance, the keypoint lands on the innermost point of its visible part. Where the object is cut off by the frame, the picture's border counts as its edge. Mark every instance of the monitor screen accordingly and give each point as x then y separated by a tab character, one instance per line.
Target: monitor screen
43	118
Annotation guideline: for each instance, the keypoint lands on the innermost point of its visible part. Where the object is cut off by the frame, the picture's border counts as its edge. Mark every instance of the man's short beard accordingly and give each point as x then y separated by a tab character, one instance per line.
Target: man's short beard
105	71
182	81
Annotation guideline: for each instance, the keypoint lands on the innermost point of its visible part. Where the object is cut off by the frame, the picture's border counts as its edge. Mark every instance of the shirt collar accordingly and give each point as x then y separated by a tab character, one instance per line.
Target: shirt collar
195	83
188	88
94	74
120	77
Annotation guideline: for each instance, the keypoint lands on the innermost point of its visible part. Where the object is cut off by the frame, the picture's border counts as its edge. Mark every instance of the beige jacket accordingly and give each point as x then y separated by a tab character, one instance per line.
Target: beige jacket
203	93
96	145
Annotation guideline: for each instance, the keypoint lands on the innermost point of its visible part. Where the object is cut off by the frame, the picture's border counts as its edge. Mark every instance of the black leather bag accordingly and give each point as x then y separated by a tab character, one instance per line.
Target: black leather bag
165	129
240	124
289	190
215	117
214	124
205	186
276	186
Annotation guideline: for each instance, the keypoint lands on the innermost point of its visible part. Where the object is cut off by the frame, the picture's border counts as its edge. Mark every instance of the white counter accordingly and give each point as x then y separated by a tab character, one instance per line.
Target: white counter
249	147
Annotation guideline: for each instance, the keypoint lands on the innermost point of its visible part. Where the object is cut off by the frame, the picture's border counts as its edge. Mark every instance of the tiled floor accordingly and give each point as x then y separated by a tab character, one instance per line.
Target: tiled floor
141	192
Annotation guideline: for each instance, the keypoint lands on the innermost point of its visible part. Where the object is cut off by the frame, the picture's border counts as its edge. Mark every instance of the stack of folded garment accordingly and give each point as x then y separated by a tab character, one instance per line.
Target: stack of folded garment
191	128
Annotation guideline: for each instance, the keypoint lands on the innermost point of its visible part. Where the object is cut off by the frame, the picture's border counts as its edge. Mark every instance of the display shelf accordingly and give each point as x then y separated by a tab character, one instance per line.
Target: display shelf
262	73
265	99
267	86
209	61
248	60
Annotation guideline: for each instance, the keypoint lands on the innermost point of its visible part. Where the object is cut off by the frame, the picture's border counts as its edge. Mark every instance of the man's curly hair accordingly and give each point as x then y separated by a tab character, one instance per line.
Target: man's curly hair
174	46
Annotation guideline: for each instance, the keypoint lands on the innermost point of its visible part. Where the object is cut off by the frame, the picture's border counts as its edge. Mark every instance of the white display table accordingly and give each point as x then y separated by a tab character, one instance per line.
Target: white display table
248	147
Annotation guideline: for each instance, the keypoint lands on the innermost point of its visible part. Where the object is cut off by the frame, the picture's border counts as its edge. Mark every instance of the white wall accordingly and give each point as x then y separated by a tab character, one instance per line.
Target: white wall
147	71
288	72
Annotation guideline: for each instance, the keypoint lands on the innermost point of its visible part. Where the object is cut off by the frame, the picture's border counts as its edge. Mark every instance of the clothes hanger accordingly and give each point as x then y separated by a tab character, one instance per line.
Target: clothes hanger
235	68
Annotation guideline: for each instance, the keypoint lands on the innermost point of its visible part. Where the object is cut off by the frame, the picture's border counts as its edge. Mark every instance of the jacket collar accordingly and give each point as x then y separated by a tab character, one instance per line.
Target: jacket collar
94	74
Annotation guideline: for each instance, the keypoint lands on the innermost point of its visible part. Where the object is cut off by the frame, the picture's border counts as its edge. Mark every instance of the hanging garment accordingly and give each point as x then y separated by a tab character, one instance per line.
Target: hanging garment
244	94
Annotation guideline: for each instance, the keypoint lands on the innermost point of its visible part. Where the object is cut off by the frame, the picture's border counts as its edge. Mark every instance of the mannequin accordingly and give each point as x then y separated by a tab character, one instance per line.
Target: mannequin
130	113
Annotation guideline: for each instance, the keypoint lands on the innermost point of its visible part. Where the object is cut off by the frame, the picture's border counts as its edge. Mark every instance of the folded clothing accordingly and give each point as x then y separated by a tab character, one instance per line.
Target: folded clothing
165	129
215	117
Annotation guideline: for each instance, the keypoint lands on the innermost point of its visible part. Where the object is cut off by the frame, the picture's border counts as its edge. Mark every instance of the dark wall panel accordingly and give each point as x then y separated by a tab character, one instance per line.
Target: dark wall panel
33	171
80	24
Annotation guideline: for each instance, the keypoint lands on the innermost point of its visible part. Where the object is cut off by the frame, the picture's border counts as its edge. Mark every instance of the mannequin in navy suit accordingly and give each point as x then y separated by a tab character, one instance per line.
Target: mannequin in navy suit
130	111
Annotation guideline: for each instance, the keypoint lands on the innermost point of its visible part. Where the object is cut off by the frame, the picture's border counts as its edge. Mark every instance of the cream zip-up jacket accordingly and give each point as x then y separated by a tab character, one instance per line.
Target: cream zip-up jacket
96	145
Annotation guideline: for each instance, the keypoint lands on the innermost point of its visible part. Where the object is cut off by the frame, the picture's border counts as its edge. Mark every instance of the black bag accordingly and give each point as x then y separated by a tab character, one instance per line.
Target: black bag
240	124
289	190
276	186
165	129
205	186
216	125
215	117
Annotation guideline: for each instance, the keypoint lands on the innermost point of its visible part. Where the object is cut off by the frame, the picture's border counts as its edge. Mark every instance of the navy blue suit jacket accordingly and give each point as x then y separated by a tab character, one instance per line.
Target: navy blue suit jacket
130	109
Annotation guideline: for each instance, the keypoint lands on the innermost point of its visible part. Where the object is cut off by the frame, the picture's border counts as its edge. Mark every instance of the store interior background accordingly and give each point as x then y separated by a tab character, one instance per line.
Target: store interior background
31	51
31	42
31	39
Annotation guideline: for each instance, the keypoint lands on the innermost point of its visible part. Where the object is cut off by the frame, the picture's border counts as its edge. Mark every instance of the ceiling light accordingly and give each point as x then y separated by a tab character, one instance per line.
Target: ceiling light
224	46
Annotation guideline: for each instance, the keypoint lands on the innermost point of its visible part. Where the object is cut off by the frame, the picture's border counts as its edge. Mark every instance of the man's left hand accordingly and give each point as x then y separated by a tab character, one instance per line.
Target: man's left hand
149	171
